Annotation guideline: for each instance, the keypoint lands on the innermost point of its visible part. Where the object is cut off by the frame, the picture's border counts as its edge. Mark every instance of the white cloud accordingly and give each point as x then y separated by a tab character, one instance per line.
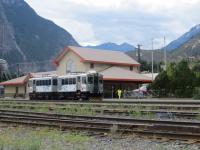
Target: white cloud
134	21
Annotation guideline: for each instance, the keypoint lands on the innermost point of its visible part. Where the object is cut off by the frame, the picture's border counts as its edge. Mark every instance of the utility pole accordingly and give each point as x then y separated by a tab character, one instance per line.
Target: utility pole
165	54
139	56
152	70
18	70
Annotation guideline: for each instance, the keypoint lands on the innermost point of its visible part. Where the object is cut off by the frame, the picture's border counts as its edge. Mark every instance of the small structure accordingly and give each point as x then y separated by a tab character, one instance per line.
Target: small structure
18	87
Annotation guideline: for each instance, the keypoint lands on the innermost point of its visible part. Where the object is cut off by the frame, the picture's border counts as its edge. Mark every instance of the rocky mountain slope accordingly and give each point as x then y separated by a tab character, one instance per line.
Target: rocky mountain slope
25	36
190	49
184	38
186	46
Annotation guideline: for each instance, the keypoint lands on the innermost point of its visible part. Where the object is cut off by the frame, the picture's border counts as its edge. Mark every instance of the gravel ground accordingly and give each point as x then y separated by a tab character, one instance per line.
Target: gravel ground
132	144
99	142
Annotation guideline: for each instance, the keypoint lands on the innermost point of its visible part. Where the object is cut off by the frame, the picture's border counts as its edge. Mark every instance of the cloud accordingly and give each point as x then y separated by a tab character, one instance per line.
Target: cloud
133	21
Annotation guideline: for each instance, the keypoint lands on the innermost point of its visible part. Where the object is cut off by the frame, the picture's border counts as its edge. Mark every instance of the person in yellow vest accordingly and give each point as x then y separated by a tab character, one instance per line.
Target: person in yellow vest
119	93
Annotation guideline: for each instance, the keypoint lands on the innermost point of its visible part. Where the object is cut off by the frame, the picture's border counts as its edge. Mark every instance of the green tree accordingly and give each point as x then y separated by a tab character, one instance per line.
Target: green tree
183	80
161	84
178	80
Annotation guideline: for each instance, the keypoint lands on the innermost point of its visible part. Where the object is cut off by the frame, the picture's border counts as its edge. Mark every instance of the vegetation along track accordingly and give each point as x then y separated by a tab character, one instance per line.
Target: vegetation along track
189	105
134	111
170	129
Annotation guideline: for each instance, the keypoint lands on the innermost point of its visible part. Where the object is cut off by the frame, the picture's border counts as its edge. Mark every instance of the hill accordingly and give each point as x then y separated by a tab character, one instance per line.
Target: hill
25	36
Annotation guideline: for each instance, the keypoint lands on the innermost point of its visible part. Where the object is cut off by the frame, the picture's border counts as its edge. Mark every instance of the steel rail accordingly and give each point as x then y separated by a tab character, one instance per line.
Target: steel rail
183	102
188	130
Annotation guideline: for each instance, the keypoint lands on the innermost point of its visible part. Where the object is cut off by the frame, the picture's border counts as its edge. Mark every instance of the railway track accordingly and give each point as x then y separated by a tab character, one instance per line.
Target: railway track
115	101
180	130
160	113
178	106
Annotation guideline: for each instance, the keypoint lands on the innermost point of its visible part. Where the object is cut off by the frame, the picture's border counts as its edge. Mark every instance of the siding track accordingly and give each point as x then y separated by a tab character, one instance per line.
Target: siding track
180	130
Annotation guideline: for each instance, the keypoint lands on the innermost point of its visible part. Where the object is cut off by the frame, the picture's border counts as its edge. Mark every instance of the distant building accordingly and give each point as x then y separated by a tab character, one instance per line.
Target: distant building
3	65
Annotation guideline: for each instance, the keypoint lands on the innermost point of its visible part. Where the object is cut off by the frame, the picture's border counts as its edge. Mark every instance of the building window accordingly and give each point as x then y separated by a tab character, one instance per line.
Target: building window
70	66
131	68
91	66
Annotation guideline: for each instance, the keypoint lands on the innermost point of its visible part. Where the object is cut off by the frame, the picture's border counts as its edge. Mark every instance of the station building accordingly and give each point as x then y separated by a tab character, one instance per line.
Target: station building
118	69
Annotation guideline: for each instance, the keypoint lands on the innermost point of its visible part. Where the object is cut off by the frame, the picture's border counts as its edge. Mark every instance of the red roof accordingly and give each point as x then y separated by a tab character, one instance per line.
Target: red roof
17	81
120	74
99	56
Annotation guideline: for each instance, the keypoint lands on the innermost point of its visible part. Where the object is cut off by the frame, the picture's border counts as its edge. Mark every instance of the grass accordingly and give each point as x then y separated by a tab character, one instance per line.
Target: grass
40	139
114	129
133	111
81	109
136	112
198	115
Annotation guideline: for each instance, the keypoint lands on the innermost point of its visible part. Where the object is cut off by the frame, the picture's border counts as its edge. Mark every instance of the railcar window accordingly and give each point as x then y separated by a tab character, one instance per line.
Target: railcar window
33	81
79	79
45	82
90	80
55	82
49	82
101	81
42	82
96	79
66	81
70	80
83	80
74	80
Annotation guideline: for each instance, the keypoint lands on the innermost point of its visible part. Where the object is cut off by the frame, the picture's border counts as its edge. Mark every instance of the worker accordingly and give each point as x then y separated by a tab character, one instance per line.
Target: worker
119	93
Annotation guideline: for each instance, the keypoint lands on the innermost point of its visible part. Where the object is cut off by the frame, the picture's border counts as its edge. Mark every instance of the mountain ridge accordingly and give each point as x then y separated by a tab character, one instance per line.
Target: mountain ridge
184	38
124	47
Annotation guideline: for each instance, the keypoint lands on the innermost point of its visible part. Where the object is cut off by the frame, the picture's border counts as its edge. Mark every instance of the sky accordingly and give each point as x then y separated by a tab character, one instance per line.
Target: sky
93	22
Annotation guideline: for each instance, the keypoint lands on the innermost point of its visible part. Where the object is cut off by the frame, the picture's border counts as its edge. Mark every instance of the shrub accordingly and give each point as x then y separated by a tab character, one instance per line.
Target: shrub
197	93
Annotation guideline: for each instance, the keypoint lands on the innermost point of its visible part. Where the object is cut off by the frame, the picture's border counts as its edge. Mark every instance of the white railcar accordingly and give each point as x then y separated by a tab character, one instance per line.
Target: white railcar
71	86
43	88
80	85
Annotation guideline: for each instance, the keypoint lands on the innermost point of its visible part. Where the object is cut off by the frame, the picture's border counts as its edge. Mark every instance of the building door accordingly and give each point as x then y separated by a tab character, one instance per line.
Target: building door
16	91
25	90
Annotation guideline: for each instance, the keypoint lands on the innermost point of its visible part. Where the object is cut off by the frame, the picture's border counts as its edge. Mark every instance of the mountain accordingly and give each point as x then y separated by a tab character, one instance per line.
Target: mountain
146	55
184	38
112	46
25	36
190	49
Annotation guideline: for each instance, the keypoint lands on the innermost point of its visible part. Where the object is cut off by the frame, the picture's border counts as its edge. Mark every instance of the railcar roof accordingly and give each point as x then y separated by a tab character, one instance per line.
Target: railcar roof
42	78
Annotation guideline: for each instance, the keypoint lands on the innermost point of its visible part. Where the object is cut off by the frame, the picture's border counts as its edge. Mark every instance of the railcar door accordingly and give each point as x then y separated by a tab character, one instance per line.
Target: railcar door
96	83
78	83
34	86
91	83
100	84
